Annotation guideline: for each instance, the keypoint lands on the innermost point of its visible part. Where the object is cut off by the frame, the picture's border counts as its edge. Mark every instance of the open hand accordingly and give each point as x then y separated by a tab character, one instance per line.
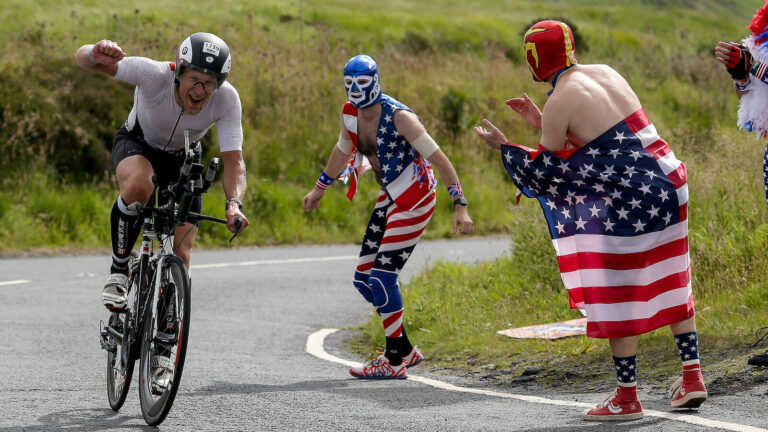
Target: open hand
527	110
728	53
492	135
736	58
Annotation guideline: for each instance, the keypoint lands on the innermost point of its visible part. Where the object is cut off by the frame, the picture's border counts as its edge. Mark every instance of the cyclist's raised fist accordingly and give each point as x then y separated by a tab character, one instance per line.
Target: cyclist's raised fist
106	52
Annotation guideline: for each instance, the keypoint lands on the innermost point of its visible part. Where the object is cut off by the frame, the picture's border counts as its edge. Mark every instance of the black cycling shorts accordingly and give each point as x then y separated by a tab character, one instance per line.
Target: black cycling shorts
166	165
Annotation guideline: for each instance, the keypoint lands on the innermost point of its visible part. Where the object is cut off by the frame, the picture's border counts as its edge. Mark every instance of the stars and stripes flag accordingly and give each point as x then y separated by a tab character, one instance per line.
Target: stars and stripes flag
358	164
617	211
407	176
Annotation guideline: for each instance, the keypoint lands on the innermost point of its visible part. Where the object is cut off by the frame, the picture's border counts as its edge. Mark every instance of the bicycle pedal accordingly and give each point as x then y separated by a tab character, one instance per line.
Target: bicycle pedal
105	345
104	340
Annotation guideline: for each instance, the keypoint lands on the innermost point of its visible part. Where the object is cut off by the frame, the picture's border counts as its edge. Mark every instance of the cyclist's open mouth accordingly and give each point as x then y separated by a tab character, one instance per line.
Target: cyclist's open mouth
194	101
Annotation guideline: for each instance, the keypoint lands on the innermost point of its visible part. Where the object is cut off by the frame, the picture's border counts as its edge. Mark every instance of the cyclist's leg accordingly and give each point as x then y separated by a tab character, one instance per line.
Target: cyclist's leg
183	239
132	163
134	175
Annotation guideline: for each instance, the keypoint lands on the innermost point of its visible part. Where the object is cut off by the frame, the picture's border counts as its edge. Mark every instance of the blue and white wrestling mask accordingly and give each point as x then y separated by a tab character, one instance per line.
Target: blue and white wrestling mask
361	78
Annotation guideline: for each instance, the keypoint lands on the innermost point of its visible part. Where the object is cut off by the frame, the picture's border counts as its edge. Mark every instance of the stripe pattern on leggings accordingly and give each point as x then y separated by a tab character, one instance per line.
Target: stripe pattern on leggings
392	234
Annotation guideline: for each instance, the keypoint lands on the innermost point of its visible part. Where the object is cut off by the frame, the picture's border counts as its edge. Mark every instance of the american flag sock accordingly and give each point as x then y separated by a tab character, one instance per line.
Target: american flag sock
688	347
393	330
626	375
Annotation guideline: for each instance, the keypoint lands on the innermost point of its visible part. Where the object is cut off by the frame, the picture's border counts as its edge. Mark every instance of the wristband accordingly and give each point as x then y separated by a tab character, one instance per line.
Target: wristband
90	56
759	70
455	191
239	204
742	84
324	181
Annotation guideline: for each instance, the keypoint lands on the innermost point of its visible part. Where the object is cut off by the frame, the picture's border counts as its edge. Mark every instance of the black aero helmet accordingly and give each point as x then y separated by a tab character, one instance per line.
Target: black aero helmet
204	52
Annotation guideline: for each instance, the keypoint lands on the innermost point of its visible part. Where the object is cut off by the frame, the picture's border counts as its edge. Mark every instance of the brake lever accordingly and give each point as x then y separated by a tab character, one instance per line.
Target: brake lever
238	224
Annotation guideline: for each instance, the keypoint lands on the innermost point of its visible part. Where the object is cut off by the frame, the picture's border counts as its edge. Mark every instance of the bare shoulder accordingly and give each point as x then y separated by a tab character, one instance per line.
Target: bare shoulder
408	124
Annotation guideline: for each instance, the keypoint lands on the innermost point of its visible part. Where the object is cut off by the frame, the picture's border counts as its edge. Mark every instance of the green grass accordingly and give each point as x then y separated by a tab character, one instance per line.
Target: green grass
455	63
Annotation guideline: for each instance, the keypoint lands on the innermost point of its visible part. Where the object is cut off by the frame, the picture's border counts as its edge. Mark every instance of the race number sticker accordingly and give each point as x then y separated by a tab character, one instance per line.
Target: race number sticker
211	48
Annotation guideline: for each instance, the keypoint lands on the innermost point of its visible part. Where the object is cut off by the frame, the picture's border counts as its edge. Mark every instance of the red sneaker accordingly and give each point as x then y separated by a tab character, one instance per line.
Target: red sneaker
614	409
380	368
687	394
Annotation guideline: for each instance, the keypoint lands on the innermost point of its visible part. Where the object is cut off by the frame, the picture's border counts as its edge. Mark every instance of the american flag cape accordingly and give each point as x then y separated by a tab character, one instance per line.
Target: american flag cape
617	211
408	177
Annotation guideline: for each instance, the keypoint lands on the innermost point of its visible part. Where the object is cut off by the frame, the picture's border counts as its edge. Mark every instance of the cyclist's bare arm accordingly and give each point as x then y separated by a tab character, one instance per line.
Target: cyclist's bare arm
234	182
100	57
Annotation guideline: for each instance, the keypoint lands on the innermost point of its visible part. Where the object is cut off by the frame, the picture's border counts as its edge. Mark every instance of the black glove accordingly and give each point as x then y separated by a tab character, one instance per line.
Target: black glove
740	61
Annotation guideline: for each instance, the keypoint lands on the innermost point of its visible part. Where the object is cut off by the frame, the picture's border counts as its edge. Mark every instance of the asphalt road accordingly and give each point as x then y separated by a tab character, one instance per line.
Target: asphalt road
247	364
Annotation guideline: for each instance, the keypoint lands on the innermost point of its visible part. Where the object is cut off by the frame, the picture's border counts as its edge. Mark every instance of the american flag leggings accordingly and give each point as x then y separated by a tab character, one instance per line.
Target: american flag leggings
390	237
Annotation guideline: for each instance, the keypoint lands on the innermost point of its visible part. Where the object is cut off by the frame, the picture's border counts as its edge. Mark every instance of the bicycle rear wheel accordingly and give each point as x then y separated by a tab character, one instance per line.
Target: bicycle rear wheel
164	341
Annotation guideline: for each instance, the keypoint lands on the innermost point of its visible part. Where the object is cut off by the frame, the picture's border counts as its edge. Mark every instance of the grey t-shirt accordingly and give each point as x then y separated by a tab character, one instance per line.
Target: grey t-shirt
156	110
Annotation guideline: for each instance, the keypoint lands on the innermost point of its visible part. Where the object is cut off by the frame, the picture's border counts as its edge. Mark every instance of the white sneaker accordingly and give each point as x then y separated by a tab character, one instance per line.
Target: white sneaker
115	292
162	371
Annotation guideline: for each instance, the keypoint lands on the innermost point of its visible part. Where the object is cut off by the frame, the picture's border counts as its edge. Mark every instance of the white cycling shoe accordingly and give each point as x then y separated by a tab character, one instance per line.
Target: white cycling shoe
115	292
162	373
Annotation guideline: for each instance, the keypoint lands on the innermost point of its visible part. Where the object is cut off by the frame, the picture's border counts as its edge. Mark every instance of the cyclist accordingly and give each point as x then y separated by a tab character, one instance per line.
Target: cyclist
170	97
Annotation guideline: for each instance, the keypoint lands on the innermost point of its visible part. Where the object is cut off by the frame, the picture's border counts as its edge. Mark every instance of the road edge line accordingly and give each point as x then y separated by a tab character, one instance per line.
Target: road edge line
316	347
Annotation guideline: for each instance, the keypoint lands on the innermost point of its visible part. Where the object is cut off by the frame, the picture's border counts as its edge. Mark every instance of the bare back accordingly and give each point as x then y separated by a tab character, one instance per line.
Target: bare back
587	101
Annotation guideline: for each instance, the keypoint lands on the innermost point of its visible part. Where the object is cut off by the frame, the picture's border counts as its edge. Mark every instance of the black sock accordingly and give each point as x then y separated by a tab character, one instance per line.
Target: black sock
125	231
394	351
406	344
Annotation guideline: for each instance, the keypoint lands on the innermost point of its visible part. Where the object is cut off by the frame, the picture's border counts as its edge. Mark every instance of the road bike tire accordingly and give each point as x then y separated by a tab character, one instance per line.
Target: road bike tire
175	290
118	377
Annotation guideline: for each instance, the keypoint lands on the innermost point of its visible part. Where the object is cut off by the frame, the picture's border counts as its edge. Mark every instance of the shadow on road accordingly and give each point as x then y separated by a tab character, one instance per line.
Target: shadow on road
391	395
82	420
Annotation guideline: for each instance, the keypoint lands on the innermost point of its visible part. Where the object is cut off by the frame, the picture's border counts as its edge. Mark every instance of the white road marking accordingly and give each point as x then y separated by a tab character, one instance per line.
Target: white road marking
315	347
14	282
282	261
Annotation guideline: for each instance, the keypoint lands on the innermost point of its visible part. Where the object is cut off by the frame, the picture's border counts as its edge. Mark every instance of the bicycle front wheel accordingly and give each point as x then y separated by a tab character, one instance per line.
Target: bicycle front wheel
164	341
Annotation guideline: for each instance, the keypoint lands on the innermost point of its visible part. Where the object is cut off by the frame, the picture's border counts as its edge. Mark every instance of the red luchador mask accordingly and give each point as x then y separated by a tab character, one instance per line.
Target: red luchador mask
548	48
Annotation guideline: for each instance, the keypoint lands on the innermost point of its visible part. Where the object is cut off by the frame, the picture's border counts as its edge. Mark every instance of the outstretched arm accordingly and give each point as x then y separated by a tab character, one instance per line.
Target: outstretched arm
100	57
336	162
462	222
409	126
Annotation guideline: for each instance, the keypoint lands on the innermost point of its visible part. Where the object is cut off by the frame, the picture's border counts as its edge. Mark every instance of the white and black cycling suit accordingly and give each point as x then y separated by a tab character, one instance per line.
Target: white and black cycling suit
156	123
